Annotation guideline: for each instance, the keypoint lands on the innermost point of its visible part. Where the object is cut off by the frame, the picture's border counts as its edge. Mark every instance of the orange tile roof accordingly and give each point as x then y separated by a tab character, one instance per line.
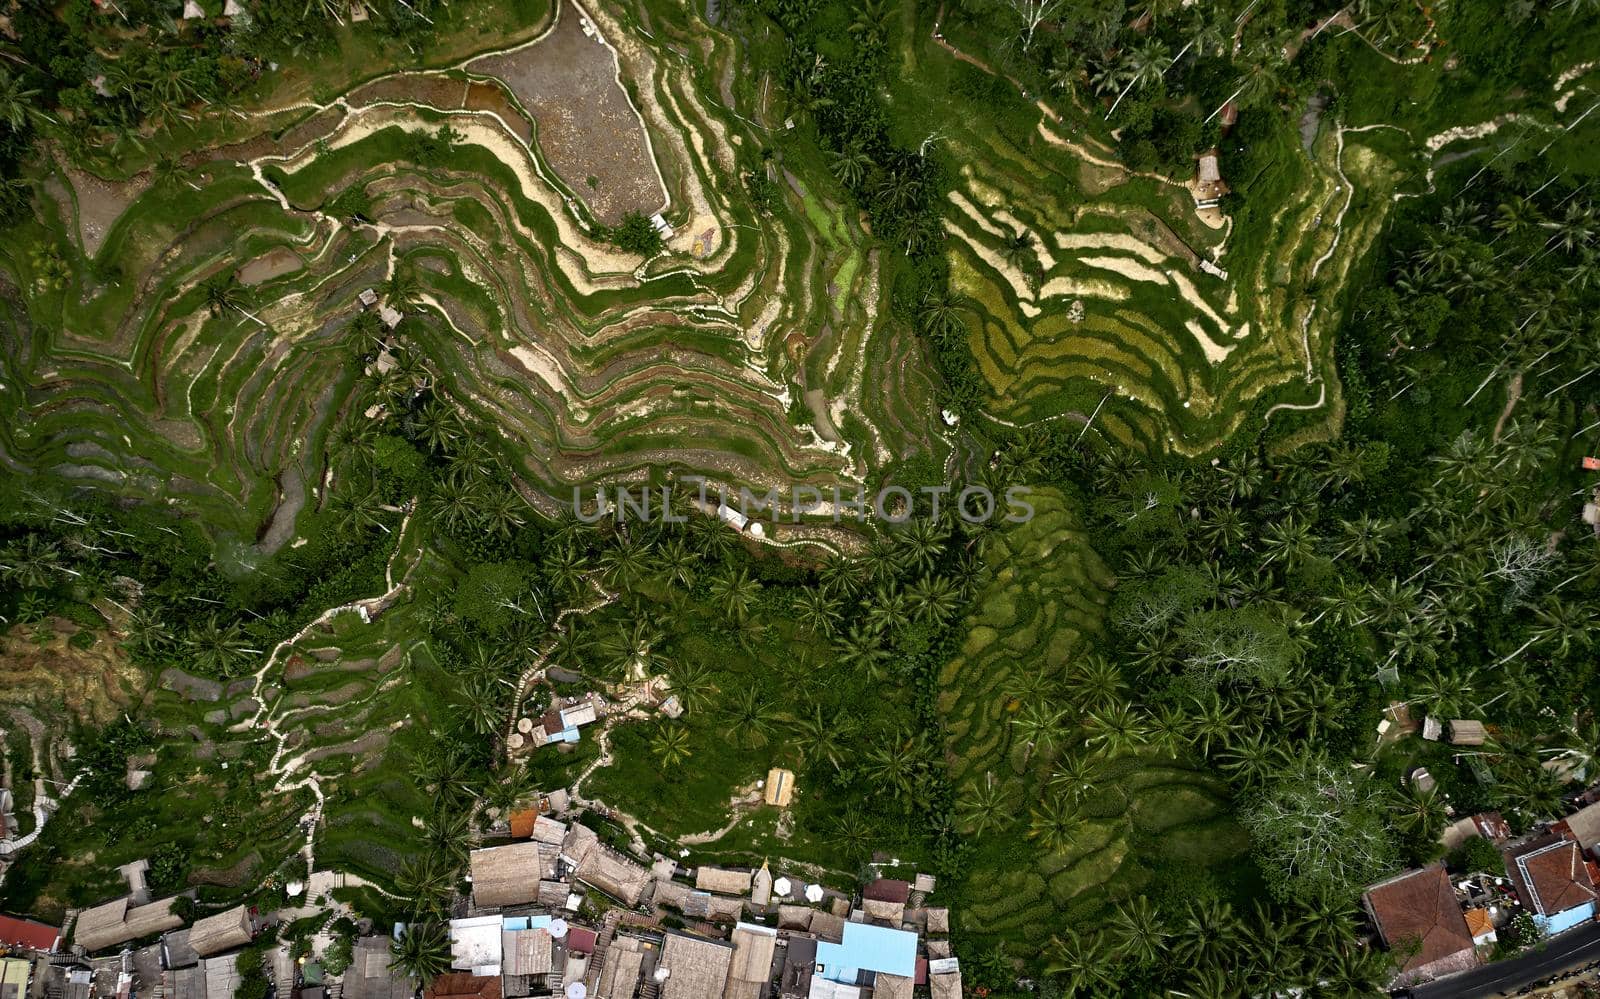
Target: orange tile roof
522	822
1478	922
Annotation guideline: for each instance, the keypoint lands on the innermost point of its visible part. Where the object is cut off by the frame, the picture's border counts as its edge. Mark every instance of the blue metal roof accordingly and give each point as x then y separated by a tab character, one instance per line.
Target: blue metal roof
868	948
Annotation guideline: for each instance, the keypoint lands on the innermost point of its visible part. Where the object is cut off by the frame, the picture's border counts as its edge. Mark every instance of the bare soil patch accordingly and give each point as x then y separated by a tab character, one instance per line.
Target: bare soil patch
489	97
274	263
93	684
587	126
411	88
100	204
192	687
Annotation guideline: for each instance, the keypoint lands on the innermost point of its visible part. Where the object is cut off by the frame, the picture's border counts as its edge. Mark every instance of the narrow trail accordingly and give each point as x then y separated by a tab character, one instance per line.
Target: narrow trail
269	718
44	805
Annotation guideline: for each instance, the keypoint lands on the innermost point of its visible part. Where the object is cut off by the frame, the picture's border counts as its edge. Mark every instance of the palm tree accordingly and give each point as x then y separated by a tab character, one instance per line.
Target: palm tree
219	649
933	599
1206	934
862	649
624	563
634	650
456	500
1054	823
850	164
18	104
692	682
438	424
482	703
1137	931
751	718
429	882
818	611
1075	776
1212	721
502	511
940	317
923	541
32	563
223	294
1564	624
675	562
402	290
1117	729
1040	727
1084	960
1142	67
822	737
448	834
1420	812
899	764
983	807
422	952
1095	682
736	592
670	745
853	833
1018	247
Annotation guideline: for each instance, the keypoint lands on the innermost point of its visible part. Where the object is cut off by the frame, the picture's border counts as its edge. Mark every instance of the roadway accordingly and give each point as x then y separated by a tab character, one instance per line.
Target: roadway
1569	950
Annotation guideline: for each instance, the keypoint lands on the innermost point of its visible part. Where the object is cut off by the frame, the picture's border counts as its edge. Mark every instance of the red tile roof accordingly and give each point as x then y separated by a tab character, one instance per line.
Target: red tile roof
27	933
464	985
1550	875
1420	907
888	890
580	940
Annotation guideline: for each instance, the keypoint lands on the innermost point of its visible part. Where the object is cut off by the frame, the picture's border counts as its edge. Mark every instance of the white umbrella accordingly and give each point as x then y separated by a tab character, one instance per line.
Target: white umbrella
577	990
558	928
813	893
782	887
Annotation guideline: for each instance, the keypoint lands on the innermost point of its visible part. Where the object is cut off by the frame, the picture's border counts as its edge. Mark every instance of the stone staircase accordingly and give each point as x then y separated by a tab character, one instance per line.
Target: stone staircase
602	943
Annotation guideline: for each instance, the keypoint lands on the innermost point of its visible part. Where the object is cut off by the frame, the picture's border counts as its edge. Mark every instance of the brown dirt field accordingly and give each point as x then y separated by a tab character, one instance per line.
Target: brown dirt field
411	88
489	97
274	263
100	204
587	126
93	684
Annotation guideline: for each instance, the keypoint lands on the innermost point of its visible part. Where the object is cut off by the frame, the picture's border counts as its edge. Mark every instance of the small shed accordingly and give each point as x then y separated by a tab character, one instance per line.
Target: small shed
722	881
1465	732
780	787
223	931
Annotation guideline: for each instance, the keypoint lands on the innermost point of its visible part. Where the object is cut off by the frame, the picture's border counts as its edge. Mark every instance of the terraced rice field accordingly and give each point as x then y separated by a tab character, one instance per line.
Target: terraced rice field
1112	296
593	363
1034	618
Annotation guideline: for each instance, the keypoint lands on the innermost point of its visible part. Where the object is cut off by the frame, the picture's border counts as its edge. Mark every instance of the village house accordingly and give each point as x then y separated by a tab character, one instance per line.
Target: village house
1417	913
511	875
370	975
722	881
750	970
1582	827
25	934
693	967
1553	880
864	955
119	921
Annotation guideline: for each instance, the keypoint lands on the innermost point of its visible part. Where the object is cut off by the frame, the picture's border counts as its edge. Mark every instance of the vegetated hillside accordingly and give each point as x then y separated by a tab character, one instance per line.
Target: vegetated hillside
1268	505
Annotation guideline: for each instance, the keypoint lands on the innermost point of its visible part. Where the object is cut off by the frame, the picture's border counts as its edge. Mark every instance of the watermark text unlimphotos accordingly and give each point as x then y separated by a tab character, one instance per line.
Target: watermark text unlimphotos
975	504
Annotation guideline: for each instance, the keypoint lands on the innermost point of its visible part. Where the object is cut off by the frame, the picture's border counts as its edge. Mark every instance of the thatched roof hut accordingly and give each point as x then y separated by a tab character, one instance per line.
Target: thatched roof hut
507	875
117	922
224	931
722	881
697	968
